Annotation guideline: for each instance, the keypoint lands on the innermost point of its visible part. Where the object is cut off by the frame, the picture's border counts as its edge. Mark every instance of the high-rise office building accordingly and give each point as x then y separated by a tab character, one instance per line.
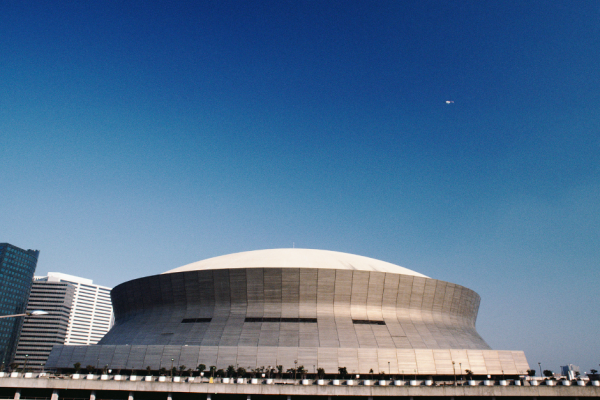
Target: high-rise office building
17	267
80	313
40	333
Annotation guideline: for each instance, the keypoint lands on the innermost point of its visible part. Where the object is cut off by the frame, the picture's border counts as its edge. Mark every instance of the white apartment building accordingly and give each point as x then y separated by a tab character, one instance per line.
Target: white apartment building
91	314
79	313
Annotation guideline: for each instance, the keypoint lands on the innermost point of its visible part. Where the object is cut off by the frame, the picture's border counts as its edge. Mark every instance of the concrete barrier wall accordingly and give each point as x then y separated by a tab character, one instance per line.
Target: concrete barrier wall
407	361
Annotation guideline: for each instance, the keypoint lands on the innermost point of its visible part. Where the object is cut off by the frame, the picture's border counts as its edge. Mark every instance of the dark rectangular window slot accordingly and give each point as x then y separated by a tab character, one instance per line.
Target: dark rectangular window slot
271	319
195	320
367	322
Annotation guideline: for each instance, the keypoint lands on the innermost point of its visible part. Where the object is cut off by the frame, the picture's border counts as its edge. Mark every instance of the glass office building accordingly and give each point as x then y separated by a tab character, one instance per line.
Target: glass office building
17	267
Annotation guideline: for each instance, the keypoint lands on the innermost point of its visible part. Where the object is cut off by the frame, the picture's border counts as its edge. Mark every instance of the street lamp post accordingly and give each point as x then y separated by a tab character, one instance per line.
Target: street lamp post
454	370
295	368
26	314
25	365
460	365
540	364
389	370
172	360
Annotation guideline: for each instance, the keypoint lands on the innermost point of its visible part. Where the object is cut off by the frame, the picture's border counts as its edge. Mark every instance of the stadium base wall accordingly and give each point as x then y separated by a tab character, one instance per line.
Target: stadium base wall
362	360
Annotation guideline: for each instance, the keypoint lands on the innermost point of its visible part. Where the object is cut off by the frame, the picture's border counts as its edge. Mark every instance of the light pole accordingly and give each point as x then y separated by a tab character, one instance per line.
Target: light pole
26	314
389	371
172	360
540	364
25	365
460	365
295	368
454	370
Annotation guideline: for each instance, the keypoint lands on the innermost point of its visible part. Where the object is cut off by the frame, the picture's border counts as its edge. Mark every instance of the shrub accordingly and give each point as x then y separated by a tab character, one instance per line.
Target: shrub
320	373
241	372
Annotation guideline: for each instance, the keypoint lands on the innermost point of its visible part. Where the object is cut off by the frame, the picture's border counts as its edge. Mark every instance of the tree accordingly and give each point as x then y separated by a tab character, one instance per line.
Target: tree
90	368
469	374
343	371
301	371
531	372
77	367
13	366
548	373
212	370
280	370
320	373
291	371
593	371
230	371
201	368
241	372
182	368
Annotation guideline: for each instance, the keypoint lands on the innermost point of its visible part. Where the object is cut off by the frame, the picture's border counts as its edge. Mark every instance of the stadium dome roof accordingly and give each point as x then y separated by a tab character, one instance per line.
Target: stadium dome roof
295	258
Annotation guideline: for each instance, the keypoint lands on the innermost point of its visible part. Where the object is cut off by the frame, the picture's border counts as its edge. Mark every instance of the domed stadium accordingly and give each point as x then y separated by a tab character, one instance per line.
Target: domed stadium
289	307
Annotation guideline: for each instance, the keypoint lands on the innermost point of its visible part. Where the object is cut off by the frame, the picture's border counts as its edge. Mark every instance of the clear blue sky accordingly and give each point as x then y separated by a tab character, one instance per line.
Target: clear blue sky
139	136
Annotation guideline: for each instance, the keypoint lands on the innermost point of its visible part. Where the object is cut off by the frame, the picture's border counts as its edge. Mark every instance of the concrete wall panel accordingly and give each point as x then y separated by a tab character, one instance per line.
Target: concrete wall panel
401	361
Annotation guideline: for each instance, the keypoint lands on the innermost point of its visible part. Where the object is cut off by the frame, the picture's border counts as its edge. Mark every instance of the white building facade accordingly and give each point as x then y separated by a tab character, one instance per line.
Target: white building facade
91	313
79	313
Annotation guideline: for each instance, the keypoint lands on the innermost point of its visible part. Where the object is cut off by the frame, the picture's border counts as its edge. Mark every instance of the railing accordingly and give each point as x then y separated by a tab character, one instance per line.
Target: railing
284	381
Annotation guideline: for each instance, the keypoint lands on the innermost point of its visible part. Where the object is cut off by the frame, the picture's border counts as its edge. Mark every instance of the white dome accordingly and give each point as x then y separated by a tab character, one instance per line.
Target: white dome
295	258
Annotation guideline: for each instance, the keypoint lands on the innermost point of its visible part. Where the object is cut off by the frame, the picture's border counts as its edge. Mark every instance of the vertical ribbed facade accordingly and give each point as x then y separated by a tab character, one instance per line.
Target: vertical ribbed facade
316	308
